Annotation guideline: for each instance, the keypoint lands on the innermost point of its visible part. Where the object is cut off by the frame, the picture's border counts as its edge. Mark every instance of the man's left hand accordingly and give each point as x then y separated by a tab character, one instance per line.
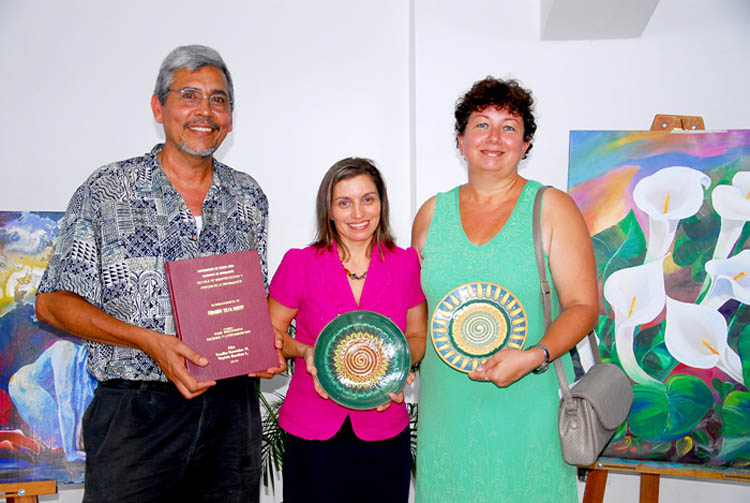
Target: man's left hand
170	354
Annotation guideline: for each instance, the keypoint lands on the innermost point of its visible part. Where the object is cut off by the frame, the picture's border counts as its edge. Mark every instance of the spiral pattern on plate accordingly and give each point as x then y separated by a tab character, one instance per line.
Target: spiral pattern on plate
360	360
479	328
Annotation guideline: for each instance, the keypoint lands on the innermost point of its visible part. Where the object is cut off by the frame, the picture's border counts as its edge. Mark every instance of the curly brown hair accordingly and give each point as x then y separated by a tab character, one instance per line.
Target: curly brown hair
502	94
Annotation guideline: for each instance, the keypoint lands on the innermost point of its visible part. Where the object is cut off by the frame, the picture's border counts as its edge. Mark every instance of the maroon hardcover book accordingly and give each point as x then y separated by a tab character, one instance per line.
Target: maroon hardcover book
220	311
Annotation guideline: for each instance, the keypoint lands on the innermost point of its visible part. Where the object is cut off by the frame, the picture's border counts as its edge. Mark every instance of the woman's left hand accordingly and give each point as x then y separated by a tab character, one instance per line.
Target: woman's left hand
506	367
396	397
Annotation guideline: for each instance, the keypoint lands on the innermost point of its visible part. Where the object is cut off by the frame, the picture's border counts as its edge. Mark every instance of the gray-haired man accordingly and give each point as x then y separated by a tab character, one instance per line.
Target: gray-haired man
152	431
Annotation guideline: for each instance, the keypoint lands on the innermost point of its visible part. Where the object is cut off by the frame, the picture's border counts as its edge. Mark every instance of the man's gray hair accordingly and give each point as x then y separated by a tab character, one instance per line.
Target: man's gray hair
192	57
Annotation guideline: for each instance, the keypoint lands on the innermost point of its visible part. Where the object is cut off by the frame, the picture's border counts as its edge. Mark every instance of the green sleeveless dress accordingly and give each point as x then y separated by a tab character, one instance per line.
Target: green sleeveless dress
477	442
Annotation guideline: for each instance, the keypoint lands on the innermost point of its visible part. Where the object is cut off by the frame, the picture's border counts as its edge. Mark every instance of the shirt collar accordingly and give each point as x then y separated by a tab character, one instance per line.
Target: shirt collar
152	176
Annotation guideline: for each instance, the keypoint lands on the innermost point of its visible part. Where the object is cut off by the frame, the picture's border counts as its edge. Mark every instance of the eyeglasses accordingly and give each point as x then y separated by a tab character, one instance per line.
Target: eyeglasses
191	97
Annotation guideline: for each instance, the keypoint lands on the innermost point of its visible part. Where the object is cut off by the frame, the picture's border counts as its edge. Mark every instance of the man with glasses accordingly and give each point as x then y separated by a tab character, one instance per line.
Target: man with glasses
153	432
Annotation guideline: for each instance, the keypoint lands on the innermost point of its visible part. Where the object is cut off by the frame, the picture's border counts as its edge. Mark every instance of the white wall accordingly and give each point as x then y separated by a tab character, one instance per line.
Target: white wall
318	81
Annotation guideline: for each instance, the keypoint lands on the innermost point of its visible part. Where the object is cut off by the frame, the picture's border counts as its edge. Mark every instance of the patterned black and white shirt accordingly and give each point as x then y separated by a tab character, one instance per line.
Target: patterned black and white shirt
121	226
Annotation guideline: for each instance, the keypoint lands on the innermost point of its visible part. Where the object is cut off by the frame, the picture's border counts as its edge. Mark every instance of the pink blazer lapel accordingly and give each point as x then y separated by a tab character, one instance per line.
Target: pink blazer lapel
377	283
335	283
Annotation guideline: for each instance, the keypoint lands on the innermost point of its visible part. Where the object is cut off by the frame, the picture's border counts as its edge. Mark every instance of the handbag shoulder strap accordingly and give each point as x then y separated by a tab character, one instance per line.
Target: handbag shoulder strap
547	292
536	218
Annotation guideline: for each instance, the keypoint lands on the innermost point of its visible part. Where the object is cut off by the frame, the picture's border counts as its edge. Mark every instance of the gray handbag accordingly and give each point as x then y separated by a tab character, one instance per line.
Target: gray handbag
597	405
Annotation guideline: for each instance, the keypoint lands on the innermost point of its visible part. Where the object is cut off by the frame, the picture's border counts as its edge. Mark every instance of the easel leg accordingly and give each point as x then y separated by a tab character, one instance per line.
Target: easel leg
26	492
649	488
596	482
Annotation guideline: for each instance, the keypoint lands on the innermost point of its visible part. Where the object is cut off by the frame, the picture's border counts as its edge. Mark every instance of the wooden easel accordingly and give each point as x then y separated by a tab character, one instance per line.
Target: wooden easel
664	122
651	472
27	492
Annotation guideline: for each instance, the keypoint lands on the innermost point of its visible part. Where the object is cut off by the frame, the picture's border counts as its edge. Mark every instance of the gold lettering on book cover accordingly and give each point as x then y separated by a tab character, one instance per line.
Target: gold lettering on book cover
216	277
233	354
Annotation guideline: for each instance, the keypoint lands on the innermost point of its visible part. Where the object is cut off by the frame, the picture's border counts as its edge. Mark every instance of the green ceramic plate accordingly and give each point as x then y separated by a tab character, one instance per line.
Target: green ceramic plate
361	357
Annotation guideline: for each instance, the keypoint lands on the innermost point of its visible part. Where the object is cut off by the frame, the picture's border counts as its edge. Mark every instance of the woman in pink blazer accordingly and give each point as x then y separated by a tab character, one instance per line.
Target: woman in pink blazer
333	453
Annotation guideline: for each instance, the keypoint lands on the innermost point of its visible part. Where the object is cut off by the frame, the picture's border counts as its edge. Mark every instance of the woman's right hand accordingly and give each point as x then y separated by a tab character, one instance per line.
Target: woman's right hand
281	317
308	355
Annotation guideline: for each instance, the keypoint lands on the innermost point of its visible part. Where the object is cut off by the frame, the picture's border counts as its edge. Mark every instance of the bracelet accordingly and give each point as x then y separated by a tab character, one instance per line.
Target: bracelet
545	364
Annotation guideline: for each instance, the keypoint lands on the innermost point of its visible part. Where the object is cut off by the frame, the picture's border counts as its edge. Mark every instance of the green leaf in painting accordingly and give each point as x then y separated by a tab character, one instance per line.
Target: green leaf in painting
716	383
683	446
700	438
651	351
659	362
649	413
606	332
661	447
726	388
738	322
670	413
743	349
620	433
619	246
735	414
692	253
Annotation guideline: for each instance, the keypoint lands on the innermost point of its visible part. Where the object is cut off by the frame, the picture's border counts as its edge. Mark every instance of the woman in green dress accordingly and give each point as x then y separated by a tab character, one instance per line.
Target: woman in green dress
487	408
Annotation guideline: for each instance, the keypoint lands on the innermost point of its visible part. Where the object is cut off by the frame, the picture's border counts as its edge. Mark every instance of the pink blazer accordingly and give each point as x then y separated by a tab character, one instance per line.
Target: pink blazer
313	281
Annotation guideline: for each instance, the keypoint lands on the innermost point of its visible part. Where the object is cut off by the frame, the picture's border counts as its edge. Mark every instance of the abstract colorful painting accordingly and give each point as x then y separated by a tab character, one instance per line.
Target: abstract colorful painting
44	384
667	214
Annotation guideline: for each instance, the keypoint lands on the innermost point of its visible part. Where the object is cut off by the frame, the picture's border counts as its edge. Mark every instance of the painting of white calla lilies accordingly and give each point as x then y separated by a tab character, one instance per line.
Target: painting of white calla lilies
668	196
668	215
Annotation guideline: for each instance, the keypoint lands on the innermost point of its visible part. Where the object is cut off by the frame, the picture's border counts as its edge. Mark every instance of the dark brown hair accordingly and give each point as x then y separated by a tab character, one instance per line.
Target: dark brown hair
503	95
343	170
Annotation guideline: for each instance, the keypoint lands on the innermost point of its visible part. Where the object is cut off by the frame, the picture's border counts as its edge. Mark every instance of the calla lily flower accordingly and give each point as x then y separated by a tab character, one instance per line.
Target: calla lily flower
696	335
730	279
637	296
668	196
732	203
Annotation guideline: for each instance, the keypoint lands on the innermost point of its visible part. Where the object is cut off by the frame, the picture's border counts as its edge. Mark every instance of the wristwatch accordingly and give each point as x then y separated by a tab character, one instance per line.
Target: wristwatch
545	364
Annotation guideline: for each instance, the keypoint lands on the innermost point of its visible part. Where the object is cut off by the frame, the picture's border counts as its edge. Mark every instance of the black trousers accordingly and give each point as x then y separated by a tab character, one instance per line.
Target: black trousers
346	468
146	443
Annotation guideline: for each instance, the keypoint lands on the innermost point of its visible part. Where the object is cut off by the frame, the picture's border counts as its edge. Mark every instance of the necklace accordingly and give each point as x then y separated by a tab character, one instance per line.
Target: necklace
354	275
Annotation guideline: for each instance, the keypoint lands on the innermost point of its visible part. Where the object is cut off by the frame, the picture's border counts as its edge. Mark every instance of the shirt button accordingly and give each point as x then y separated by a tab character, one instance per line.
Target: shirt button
194	237
184	206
